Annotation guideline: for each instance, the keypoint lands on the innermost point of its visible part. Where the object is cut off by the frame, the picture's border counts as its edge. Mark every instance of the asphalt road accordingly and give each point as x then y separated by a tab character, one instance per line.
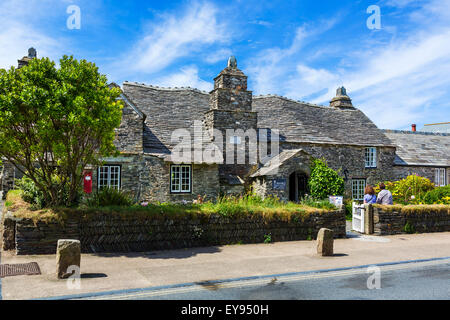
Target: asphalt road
410	281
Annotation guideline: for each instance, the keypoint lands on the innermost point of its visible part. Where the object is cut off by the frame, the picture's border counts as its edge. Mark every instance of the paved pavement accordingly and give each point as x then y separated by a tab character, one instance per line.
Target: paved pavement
109	272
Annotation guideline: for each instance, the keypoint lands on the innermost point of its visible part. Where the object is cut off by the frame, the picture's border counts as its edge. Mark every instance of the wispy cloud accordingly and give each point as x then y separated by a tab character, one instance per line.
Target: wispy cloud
187	77
19	31
396	82
175	36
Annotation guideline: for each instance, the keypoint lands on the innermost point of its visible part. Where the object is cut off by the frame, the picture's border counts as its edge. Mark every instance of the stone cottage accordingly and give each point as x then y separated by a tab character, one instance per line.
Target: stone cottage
177	143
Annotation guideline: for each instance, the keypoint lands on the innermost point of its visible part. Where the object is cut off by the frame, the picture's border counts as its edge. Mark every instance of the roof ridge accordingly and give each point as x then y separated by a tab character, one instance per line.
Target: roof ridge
425	133
291	100
149	86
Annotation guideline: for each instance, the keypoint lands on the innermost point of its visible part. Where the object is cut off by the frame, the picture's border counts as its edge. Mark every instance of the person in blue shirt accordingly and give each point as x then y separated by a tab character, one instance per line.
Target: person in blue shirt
369	195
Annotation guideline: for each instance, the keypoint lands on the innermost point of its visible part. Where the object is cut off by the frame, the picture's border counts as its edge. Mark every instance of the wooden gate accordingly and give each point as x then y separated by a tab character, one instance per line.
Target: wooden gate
358	217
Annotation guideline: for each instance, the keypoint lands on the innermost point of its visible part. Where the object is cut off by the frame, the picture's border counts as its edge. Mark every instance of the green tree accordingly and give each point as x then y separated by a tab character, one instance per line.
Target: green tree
324	181
55	121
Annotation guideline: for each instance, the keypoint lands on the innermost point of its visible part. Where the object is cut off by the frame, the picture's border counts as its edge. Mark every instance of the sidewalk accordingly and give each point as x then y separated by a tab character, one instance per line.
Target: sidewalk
105	272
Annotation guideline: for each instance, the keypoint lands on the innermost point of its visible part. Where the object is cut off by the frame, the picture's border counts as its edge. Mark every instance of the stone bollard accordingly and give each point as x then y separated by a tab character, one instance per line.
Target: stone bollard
325	242
68	254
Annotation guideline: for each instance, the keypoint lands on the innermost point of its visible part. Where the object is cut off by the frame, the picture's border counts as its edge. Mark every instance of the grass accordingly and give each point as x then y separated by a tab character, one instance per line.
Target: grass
416	208
233	207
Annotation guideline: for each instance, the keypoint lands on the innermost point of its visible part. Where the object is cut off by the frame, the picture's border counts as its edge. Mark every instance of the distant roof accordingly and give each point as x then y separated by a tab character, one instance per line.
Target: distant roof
304	122
443	127
420	148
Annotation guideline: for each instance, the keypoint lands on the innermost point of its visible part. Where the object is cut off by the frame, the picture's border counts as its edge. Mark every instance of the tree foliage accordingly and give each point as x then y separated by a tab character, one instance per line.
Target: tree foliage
55	121
324	181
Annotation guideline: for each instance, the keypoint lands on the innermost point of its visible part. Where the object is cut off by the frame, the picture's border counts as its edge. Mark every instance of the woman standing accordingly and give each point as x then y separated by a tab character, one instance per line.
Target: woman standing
369	195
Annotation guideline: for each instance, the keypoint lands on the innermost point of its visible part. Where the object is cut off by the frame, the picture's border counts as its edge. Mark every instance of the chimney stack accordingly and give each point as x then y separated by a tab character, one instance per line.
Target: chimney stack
413	127
25	60
342	100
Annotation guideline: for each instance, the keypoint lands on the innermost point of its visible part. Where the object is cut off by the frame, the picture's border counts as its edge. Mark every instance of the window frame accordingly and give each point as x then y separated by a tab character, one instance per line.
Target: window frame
119	177
180	178
370	157
358	180
438	174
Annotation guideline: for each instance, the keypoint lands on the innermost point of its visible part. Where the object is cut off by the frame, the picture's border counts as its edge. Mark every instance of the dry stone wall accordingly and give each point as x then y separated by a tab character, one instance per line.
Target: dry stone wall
109	233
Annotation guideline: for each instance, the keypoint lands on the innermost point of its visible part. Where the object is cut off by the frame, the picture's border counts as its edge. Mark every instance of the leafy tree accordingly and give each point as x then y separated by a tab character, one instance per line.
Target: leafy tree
53	122
324	181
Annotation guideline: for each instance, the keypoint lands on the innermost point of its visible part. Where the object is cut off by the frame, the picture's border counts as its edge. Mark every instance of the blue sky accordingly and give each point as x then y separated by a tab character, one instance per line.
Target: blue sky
303	50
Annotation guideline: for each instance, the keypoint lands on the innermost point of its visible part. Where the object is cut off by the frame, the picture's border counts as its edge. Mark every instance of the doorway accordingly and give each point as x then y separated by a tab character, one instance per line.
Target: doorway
298	186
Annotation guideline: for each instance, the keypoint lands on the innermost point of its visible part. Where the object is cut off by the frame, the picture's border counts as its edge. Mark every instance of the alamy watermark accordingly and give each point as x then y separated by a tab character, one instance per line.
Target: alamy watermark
237	147
374	20
374	280
74	19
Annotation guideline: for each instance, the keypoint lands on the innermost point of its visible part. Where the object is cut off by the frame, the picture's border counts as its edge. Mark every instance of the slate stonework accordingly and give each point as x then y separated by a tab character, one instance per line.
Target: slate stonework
107	233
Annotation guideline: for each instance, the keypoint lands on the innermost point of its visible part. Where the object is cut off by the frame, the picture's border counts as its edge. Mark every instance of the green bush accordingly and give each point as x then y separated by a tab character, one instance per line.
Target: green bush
30	193
106	197
324	181
410	190
439	195
33	195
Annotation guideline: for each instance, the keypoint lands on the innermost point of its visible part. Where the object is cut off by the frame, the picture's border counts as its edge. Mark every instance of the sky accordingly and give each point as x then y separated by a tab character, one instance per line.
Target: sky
397	72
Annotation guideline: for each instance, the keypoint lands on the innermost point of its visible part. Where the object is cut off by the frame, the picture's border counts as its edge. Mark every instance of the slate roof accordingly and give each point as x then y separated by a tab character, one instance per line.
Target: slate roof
420	148
304	122
270	168
443	127
167	109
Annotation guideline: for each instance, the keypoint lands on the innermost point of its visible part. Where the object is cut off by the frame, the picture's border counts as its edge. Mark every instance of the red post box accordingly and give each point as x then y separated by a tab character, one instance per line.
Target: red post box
87	181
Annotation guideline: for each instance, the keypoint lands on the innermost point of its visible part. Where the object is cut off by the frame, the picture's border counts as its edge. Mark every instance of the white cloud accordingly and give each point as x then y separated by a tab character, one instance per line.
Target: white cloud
175	36
18	32
219	55
402	82
187	77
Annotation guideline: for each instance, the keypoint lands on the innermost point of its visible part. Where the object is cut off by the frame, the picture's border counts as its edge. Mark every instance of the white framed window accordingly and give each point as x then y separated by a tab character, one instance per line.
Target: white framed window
440	177
180	178
371	157
109	177
358	186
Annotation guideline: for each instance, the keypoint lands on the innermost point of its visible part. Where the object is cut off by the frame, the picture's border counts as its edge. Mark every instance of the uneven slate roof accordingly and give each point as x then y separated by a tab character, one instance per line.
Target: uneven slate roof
443	127
420	148
270	168
167	109
304	122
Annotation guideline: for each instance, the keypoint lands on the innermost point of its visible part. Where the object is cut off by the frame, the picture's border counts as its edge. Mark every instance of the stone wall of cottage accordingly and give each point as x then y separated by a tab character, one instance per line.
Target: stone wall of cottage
350	161
115	233
402	172
129	135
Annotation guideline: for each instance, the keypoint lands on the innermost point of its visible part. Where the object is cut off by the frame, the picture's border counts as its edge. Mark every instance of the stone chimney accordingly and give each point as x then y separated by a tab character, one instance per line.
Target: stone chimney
25	60
342	100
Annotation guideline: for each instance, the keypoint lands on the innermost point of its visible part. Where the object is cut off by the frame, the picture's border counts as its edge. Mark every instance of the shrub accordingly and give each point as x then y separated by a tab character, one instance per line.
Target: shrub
106	197
35	196
324	181
410	190
440	195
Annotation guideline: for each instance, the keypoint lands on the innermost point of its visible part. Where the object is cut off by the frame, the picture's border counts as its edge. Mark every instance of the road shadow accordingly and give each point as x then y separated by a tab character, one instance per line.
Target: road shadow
93	275
162	254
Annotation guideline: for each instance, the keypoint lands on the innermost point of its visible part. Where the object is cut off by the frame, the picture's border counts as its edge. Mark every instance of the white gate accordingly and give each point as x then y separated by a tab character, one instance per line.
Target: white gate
358	217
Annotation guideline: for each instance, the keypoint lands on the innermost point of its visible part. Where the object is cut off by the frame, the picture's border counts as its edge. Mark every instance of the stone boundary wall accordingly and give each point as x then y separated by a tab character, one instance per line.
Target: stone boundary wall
108	233
387	222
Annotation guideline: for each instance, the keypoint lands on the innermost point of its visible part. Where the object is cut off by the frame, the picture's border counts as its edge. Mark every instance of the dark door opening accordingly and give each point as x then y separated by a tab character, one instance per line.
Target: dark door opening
298	186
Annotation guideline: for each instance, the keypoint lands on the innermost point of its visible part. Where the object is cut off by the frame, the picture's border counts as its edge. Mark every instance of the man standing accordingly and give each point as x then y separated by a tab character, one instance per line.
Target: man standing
384	196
